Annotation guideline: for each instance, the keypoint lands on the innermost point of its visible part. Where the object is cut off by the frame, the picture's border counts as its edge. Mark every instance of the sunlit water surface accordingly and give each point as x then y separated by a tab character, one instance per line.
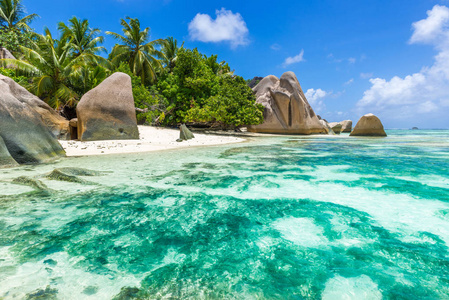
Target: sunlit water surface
273	218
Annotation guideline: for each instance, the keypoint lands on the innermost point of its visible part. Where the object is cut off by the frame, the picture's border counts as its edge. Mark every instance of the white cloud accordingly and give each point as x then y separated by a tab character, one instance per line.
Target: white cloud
315	98
275	47
424	92
227	27
433	28
352	60
350	81
366	75
294	59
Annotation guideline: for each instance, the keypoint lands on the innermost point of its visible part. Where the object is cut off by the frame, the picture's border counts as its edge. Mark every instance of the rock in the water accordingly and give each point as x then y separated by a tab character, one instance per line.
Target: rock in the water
34	183
6	159
25	135
287	110
58	125
127	293
336	127
48	294
107	112
60	175
185	134
369	125
415	128
346	126
327	128
79	172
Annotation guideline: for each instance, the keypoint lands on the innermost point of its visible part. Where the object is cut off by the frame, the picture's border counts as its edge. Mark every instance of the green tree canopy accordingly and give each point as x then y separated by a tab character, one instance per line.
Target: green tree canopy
14	25
83	39
170	50
51	66
12	15
200	90
136	49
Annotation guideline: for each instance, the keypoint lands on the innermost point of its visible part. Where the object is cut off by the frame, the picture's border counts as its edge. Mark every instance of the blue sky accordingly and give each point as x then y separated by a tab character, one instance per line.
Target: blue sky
353	57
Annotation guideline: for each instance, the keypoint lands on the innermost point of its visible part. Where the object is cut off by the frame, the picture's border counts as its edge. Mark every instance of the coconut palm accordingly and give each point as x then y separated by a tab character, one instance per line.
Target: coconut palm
83	39
51	67
135	49
12	15
170	50
217	68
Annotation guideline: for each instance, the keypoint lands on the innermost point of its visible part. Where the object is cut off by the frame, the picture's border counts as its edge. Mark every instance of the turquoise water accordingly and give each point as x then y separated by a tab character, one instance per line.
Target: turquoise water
274	218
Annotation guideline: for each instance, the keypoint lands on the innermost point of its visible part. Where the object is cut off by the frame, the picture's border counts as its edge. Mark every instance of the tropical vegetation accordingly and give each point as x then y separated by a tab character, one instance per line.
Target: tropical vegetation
14	24
171	84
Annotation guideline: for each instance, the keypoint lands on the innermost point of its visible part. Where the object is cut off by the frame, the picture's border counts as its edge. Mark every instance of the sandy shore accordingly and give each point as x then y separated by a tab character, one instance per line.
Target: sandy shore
151	139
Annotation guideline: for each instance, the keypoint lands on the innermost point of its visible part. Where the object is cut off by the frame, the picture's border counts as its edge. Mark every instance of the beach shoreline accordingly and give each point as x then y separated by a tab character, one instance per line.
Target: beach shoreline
151	139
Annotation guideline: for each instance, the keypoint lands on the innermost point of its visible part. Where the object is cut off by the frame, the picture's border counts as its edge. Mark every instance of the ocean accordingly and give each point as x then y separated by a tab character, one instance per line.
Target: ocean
288	217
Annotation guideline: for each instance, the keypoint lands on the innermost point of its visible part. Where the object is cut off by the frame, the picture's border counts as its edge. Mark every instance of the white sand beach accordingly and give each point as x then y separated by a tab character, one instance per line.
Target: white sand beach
151	139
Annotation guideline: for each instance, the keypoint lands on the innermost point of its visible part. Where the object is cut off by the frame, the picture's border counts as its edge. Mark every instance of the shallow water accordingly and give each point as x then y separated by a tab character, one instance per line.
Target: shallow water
274	218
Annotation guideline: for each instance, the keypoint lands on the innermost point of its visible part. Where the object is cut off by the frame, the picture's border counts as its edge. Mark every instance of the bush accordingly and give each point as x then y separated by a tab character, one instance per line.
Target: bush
200	90
12	40
22	80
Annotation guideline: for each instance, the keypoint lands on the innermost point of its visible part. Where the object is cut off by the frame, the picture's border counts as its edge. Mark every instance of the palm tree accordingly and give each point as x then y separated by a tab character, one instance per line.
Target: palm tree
141	54
221	68
50	64
84	40
12	15
170	50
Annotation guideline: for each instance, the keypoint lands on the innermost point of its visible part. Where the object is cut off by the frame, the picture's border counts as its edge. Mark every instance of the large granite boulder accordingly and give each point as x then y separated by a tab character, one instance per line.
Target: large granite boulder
107	112
346	126
327	128
287	110
26	137
58	125
369	125
336	127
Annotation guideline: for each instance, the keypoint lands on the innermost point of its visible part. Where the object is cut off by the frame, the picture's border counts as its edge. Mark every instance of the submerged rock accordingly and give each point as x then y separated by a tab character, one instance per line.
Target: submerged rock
127	293
185	134
287	110
24	133
58	174
79	171
46	294
6	159
34	183
107	112
369	125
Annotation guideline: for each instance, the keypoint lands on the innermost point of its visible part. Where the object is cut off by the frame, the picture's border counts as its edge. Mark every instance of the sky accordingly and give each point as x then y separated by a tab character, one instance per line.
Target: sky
351	57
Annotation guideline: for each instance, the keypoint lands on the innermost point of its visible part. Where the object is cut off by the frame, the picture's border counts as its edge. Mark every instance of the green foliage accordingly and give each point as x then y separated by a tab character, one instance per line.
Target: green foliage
200	90
13	39
170	53
22	80
233	105
135	49
12	16
14	29
149	102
